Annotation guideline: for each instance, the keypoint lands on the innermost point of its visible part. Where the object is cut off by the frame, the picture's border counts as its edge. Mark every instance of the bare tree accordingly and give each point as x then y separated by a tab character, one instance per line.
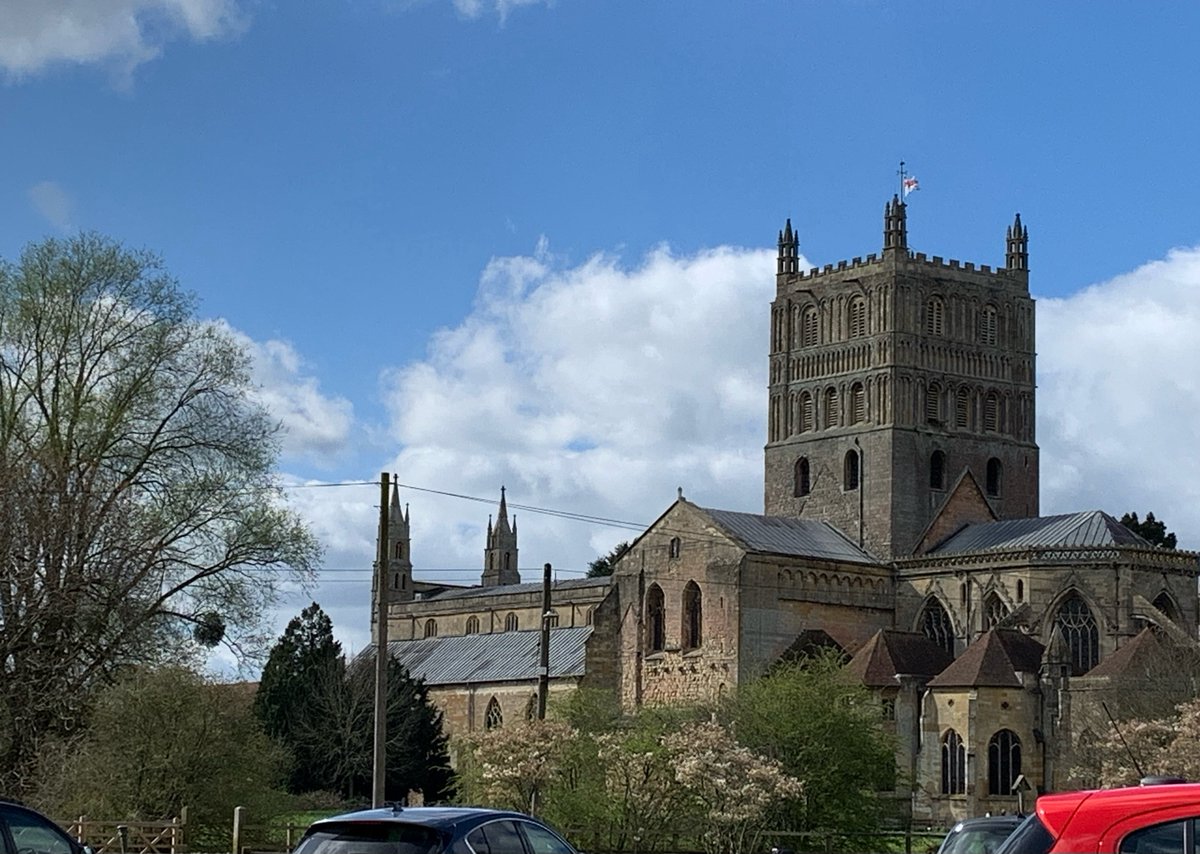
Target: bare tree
137	496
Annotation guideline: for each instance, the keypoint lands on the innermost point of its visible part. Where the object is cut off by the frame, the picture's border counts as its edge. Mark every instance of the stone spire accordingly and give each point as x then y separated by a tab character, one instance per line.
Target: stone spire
895	225
1017	255
399	551
500	552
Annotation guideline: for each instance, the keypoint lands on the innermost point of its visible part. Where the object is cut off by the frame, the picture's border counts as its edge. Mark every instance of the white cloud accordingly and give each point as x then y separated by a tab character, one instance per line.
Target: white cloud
53	203
474	9
121	34
1119	395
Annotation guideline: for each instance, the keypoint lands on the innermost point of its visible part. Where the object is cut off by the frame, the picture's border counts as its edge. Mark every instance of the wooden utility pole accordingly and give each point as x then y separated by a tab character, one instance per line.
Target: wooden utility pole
544	647
379	768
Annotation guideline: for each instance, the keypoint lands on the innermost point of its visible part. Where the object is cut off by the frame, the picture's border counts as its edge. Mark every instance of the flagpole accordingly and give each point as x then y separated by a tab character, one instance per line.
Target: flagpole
901	173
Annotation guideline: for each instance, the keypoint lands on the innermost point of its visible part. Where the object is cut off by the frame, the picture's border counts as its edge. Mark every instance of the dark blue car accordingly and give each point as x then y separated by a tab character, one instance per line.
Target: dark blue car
431	830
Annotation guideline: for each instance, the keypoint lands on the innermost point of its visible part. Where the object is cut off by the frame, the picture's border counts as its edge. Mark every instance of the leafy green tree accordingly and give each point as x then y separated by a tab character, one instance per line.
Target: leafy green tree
137	492
825	731
606	563
1150	529
302	670
164	738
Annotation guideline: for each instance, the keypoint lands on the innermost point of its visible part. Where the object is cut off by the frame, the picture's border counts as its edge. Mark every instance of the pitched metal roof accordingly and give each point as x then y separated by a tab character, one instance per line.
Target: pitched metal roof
786	536
1089	528
530	587
496	657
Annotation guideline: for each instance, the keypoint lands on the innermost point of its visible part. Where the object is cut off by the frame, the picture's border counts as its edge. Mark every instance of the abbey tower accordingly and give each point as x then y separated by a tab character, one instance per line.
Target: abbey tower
892	377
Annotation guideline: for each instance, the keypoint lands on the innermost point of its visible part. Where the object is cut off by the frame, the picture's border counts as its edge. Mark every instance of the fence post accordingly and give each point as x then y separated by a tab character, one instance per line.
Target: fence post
237	829
181	841
79	835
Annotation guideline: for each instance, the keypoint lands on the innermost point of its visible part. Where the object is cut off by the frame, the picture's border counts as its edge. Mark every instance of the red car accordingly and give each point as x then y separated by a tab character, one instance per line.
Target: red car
1146	819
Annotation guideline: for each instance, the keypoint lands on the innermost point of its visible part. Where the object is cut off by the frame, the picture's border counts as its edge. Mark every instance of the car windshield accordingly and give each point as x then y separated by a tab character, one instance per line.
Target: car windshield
1030	837
981	838
370	838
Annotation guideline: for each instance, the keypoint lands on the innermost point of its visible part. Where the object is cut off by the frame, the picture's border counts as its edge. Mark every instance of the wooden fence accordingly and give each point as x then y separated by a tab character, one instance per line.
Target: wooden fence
130	837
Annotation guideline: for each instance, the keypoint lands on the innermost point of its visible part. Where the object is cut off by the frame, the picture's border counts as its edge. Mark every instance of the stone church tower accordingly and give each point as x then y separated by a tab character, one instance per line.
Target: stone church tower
500	553
893	377
399	552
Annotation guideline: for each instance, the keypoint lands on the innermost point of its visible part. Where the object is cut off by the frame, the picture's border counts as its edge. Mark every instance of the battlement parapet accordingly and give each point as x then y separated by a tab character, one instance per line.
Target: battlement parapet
937	262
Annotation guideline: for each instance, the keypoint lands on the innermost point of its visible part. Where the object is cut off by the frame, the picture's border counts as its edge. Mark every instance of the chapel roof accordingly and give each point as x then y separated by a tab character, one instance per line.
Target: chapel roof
602	583
1072	530
1146	653
784	535
891	653
494	657
994	660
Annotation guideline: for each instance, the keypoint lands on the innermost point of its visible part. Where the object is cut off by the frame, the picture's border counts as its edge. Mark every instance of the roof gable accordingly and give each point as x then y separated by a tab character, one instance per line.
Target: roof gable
994	660
889	654
964	505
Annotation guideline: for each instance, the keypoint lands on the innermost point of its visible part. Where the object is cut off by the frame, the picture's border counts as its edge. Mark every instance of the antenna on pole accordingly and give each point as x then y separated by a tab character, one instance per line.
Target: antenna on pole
1137	765
902	175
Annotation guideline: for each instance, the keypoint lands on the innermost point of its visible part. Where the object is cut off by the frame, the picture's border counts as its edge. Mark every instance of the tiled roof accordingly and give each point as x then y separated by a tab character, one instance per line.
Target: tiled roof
530	587
890	653
496	657
786	536
1148	654
1089	528
993	661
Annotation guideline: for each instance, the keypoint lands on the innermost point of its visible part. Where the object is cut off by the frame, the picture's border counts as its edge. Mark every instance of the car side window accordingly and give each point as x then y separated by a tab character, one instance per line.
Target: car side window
32	834
1156	839
543	841
496	837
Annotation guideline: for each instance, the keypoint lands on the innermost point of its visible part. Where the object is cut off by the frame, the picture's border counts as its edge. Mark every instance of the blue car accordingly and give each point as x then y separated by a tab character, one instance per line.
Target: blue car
431	830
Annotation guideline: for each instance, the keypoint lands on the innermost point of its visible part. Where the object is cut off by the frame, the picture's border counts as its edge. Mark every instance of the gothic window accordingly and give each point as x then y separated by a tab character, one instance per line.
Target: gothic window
399	551
802	483
850	471
933	404
1074	621
994	611
589	617
511	623
935	623
962	408
1164	603
991	413
831	408
1020	591
656	619
937	470
808	329
935	313
1004	762
493	718
693	617
954	764
673	547
472	625
995	476
858	404
396	577
858	317
888	708
431	628
988	324
808	419
507	561
551	618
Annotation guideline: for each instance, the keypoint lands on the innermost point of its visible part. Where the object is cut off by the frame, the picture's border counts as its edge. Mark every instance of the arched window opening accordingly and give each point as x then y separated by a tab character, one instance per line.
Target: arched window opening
396	576
403	581
431	628
803	483
656	619
511	622
472	625
399	551
808	418
994	611
808	335
831	408
988	325
991	413
551	618
858	317
493	718
962	409
858	404
674	547
1004	762
693	617
1020	591
933	404
1163	602
507	560
850	471
1074	621
954	764
589	617
937	470
935	313
995	473
935	624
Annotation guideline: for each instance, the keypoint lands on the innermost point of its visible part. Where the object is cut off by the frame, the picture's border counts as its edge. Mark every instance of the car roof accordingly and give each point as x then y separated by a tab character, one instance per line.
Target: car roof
1092	812
1002	820
442	818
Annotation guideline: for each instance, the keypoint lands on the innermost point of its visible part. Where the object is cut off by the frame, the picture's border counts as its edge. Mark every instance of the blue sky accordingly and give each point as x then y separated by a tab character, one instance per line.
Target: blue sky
523	242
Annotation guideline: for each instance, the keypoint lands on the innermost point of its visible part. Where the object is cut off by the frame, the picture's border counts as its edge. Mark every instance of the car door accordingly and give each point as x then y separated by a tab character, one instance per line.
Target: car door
26	832
542	840
497	837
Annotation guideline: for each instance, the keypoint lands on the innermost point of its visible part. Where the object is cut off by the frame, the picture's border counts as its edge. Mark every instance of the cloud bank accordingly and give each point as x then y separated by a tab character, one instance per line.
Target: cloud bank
121	34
